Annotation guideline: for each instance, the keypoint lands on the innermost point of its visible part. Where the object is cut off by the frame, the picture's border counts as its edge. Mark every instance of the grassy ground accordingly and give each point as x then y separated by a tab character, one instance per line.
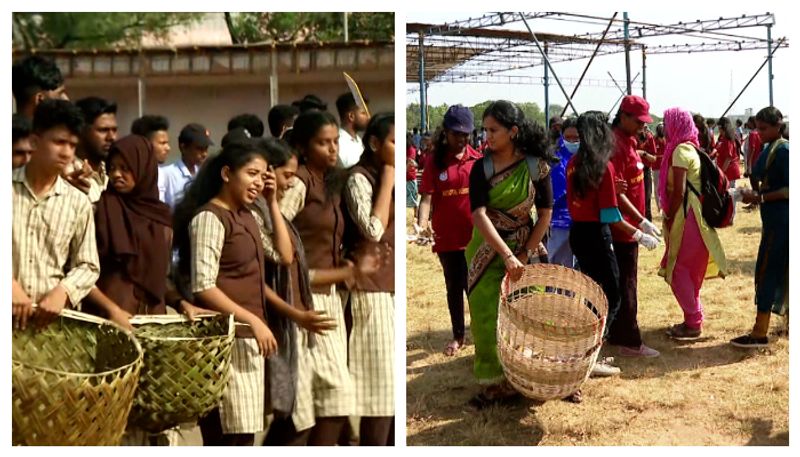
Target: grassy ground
705	393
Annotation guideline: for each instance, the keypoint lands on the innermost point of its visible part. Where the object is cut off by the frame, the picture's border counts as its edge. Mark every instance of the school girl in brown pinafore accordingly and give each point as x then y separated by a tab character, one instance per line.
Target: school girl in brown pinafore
220	247
313	204
369	203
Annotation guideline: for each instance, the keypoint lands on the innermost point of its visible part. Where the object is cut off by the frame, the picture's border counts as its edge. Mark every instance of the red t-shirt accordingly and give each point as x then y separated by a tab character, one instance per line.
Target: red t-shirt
587	209
661	144
648	146
449	188
628	166
726	152
754	140
411	170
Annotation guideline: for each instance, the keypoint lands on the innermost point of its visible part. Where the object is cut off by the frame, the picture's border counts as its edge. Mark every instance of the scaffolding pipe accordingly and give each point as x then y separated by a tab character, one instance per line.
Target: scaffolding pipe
626	25
546	96
644	73
596	50
547	61
768	59
422	92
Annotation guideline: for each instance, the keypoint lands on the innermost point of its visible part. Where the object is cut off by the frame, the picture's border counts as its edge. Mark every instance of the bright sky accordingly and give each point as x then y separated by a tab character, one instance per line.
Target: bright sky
701	82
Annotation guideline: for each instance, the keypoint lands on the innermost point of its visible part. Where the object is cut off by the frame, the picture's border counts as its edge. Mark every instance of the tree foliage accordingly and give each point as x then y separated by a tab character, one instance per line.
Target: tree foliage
92	30
315	27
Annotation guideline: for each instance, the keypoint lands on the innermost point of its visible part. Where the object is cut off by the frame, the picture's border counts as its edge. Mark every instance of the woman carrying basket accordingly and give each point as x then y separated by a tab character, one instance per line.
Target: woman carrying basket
503	188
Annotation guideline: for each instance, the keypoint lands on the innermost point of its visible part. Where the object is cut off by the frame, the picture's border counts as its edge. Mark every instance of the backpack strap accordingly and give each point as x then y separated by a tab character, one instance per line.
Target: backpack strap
531	161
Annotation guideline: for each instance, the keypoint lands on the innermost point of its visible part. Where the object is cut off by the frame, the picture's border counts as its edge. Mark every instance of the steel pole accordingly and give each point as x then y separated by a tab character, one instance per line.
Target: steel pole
422	92
547	61
769	59
644	73
627	53
546	96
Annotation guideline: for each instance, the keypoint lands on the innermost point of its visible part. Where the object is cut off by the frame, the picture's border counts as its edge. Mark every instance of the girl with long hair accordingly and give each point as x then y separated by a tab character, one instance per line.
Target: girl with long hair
693	251
726	152
220	247
444	210
369	204
592	198
771	174
313	205
558	249
504	187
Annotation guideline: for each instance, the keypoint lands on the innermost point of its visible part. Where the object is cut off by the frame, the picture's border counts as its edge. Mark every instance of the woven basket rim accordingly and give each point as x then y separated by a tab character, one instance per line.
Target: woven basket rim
164	319
79	316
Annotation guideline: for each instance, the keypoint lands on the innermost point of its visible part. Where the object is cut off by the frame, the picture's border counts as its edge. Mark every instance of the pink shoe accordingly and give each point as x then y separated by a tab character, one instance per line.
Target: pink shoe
641	351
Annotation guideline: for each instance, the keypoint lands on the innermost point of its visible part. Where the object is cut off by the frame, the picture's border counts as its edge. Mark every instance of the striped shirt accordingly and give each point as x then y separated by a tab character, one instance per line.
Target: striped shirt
358	195
53	240
294	199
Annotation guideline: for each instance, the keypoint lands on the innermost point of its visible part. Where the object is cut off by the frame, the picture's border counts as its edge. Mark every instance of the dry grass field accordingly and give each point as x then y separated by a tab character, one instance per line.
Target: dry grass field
701	393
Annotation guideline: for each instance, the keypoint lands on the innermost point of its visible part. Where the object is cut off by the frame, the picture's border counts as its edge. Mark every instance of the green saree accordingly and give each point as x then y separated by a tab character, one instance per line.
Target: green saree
511	198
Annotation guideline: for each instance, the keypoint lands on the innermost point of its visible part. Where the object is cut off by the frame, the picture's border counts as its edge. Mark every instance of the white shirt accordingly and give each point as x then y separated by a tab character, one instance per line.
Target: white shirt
176	178
350	148
162	183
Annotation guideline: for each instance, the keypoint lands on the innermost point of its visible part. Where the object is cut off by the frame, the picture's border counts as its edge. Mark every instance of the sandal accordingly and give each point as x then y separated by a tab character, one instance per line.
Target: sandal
453	347
575	397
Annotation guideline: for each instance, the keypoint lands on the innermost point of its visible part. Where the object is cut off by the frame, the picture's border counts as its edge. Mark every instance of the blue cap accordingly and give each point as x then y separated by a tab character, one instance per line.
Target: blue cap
458	118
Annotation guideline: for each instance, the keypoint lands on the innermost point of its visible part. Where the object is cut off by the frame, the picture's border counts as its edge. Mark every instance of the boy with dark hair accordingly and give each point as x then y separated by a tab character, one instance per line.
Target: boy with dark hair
281	118
98	134
156	129
34	79
353	119
310	102
53	252
20	141
250	122
193	142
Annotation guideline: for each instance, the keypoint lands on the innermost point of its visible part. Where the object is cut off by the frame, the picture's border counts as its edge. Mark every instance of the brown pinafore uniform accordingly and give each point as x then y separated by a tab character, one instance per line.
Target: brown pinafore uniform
371	342
241	277
325	388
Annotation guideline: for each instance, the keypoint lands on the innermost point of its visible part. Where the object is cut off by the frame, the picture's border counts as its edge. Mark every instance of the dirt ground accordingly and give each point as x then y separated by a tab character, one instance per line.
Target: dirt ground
701	393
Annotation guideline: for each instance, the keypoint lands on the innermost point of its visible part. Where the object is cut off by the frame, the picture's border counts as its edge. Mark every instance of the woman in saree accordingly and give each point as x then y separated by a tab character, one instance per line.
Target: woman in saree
694	251
771	174
502	194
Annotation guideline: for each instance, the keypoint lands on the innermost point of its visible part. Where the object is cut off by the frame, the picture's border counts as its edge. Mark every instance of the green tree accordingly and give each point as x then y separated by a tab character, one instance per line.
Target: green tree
92	30
305	26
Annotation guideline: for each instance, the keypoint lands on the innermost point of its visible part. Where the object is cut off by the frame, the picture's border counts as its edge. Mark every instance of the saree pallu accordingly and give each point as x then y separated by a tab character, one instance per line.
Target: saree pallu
511	198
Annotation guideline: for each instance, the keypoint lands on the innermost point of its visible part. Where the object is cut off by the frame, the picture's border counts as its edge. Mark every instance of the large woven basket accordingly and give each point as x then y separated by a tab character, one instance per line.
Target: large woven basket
186	368
550	330
73	382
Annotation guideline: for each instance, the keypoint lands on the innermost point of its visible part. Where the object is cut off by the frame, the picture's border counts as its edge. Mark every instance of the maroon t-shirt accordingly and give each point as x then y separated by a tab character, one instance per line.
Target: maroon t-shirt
587	209
628	166
451	218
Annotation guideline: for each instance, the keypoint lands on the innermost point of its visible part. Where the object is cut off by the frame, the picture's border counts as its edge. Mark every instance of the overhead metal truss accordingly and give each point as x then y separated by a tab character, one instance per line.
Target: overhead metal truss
472	50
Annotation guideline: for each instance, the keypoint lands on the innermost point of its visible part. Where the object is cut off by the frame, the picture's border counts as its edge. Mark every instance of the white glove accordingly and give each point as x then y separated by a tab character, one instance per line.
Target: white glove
648	241
736	194
649	228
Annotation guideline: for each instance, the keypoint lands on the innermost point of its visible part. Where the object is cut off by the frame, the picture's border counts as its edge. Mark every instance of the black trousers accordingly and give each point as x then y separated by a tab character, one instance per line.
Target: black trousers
282	433
591	243
625	328
648	194
454	264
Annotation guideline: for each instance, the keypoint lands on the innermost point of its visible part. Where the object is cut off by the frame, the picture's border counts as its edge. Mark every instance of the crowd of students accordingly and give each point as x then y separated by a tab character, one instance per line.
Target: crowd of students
291	233
580	196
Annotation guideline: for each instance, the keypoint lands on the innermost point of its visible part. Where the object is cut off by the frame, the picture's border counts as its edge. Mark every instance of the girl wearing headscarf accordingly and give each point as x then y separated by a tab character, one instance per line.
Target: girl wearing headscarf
693	250
134	231
369	205
771	174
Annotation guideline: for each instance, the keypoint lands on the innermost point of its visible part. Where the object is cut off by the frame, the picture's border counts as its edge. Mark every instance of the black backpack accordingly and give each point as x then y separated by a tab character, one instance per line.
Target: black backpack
715	201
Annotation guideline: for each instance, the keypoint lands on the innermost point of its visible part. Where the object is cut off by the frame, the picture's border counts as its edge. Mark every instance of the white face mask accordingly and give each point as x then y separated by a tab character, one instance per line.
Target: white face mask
572	147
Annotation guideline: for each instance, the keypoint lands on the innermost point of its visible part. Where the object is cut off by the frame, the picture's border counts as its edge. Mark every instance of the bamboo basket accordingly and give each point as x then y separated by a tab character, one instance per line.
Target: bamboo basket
73	382
186	368
550	330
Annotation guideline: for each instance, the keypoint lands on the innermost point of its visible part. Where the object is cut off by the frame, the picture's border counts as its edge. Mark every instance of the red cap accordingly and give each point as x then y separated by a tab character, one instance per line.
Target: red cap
636	106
